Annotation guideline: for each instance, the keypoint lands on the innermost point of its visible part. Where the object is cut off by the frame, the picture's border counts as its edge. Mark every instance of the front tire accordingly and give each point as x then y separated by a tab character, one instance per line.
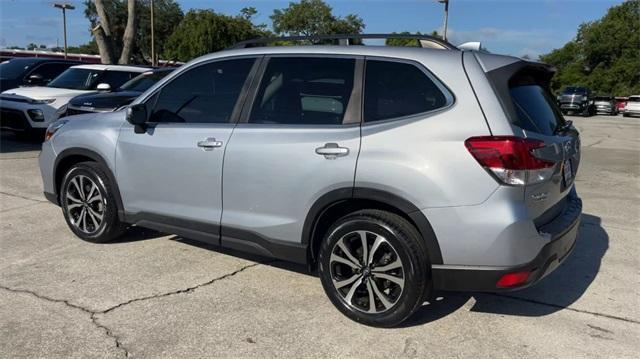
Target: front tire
374	268
89	205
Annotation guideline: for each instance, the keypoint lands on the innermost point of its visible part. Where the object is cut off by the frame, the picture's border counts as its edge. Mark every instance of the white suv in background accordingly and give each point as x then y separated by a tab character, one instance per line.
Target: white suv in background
29	110
632	108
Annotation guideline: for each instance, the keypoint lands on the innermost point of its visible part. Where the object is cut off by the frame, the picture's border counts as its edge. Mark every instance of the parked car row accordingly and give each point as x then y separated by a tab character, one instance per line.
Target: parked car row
583	101
58	88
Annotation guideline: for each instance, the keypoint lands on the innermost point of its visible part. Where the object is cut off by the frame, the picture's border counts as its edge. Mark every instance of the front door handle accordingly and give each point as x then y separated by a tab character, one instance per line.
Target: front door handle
209	144
332	151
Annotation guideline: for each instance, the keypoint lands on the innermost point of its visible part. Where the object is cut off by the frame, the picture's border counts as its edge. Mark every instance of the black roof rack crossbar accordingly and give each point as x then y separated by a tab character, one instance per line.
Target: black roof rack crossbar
344	39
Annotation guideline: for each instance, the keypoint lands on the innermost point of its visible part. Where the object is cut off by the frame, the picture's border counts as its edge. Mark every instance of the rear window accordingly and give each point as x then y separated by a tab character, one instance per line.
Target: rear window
633	99
396	89
535	109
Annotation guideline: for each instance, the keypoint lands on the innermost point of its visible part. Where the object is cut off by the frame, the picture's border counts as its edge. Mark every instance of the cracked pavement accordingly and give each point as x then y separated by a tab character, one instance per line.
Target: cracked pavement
157	295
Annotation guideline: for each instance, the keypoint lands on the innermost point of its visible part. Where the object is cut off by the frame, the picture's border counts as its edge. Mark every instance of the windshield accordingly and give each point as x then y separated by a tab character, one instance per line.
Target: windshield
604	98
14	68
76	79
575	90
633	99
142	82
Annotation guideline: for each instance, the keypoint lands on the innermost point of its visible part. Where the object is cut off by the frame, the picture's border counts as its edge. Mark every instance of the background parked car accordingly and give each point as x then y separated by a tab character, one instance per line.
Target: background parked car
110	101
605	104
621	102
575	99
30	110
632	107
31	71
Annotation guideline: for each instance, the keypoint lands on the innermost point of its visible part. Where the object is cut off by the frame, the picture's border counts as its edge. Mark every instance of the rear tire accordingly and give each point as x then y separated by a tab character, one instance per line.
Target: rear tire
383	284
89	205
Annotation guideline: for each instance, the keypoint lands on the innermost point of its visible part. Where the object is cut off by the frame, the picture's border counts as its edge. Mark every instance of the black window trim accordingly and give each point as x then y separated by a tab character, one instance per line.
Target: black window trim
235	113
446	91
353	112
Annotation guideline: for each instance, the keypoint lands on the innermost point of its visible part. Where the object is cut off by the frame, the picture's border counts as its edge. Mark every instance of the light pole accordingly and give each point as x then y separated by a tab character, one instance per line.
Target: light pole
64	8
153	43
446	16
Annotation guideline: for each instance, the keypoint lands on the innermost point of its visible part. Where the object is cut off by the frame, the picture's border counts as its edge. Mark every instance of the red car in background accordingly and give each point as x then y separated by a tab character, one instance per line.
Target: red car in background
621	103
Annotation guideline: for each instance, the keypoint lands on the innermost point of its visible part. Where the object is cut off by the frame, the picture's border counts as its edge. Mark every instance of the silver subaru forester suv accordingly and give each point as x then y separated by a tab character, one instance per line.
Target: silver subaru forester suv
392	171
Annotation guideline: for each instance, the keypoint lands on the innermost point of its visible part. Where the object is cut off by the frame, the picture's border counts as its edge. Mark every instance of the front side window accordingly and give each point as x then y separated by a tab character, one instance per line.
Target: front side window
76	79
304	91
50	71
144	81
205	94
397	89
115	79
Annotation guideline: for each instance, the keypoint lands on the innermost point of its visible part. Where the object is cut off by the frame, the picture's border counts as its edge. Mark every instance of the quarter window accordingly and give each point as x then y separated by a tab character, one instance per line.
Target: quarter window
205	94
304	91
396	89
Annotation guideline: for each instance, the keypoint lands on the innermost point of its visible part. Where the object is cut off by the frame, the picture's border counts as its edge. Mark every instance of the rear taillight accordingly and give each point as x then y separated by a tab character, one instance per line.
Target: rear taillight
513	279
510	159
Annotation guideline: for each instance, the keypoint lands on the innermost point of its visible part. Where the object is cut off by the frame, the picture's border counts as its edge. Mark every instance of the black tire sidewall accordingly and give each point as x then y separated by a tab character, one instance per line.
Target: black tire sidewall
414	280
110	219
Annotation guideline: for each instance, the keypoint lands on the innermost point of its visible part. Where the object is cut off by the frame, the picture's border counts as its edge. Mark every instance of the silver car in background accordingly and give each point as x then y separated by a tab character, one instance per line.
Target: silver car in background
605	104
392	171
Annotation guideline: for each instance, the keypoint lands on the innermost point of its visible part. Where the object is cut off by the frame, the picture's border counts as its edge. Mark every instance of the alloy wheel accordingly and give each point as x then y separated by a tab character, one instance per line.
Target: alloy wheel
85	205
367	272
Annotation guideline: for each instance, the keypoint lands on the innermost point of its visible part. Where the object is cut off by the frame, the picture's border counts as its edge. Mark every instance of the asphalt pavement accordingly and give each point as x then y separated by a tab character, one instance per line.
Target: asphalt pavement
158	295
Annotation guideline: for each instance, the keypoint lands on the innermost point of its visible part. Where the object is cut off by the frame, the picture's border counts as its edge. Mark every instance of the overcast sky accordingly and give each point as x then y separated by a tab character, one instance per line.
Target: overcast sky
516	27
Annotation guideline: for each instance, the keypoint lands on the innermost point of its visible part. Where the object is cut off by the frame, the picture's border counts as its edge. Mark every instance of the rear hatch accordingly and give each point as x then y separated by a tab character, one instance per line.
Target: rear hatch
526	98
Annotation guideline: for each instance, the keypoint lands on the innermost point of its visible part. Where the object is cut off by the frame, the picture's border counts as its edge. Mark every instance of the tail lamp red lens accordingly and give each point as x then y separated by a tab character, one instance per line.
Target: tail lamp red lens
514	279
510	158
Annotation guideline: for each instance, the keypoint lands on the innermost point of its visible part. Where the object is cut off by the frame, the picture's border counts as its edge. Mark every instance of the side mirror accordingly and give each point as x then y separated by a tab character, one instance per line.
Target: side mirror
137	116
35	79
103	87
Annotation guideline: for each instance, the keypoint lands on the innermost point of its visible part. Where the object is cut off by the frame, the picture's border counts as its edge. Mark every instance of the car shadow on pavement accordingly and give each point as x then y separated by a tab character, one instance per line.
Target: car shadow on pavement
557	291
10	143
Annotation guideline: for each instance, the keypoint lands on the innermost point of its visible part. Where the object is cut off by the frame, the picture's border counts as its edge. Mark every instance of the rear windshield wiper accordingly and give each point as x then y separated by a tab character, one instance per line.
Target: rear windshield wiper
563	127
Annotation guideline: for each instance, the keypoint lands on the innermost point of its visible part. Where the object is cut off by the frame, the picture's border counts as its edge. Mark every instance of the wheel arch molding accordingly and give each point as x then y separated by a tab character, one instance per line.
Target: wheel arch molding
71	156
336	203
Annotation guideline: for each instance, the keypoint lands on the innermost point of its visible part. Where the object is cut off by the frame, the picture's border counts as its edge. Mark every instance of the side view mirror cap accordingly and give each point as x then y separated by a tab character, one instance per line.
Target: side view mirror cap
137	116
103	87
35	79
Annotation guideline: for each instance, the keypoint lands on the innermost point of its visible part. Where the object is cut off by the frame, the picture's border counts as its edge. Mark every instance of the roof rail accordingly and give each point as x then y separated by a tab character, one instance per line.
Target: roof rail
426	41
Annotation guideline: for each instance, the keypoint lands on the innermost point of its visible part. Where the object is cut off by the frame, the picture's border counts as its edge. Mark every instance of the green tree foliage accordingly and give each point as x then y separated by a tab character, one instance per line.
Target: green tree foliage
205	31
167	14
605	54
407	42
313	17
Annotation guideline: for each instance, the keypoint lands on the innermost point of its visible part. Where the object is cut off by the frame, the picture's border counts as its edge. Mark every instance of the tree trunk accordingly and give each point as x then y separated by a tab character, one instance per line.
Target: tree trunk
129	37
102	34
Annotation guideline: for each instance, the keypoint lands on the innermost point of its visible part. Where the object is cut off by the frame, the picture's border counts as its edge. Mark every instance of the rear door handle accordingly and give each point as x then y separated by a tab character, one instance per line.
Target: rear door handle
332	151
209	144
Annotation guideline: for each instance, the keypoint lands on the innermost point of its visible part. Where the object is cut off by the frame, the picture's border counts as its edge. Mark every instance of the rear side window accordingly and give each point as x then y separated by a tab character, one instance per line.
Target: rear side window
304	91
535	109
205	94
396	89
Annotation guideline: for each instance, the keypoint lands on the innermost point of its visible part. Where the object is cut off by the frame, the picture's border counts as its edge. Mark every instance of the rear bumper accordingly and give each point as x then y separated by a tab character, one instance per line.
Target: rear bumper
563	231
